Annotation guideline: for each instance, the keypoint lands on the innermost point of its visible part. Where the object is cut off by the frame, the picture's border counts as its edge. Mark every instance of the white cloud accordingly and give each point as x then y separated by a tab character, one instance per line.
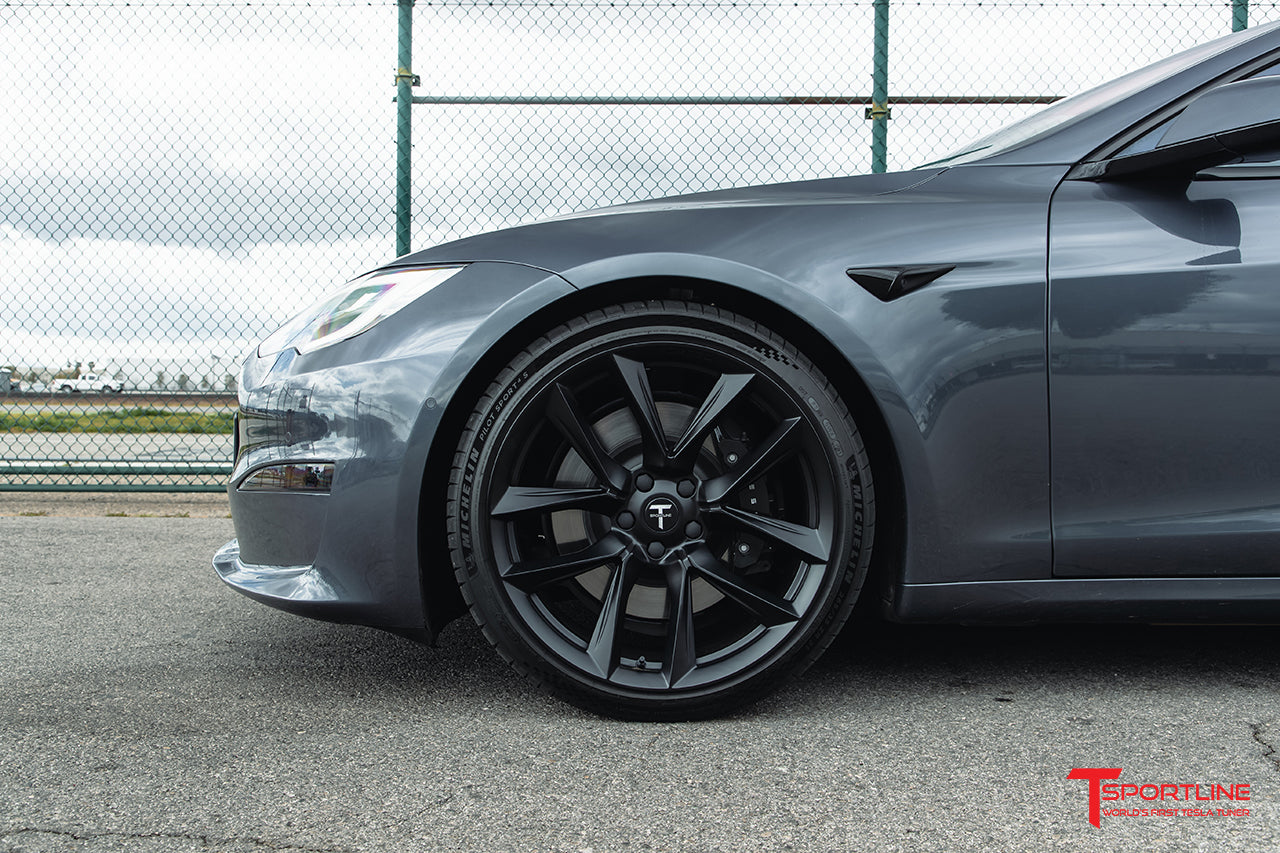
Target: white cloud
180	178
116	301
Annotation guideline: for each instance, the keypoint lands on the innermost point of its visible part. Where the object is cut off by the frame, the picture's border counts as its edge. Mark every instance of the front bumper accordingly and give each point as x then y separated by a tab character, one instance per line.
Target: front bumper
370	407
304	586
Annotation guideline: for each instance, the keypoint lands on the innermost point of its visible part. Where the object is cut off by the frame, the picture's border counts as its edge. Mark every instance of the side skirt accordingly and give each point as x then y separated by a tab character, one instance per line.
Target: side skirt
1190	600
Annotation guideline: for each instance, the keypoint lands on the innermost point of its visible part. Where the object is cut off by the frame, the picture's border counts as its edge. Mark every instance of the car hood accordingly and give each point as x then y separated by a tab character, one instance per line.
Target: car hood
724	224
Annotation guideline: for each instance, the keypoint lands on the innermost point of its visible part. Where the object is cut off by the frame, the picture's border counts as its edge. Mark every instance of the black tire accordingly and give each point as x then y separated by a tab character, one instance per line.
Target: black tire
661	510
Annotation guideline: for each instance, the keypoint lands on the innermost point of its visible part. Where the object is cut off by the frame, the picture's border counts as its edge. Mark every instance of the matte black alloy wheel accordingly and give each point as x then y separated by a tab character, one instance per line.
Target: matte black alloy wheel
662	510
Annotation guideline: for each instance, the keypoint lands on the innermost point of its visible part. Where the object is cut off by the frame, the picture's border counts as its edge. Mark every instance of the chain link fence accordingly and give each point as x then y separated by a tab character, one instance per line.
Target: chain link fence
179	179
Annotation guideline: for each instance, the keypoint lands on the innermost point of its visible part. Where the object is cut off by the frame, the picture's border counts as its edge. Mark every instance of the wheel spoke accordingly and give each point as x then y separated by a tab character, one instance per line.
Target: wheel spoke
726	389
532	575
764	456
807	541
765	606
645	409
680	656
563	411
603	646
518	499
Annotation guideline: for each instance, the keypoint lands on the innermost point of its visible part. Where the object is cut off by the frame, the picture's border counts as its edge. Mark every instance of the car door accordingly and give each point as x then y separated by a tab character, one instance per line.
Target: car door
1164	370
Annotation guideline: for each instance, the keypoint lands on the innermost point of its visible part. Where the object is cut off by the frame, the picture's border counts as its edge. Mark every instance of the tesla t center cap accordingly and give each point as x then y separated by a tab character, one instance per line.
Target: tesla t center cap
661	514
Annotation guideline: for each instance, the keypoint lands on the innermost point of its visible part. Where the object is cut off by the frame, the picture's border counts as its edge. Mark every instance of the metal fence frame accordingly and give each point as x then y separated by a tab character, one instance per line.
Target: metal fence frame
106	475
878	105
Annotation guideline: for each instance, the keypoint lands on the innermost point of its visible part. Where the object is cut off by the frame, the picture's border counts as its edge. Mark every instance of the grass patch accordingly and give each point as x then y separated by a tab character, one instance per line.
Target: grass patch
131	420
36	514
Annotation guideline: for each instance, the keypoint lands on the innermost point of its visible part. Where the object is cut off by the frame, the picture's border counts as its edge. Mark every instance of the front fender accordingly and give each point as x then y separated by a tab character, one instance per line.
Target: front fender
499	296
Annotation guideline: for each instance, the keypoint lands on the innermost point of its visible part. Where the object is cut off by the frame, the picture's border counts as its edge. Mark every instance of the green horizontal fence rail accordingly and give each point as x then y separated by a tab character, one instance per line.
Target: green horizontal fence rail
728	101
150	238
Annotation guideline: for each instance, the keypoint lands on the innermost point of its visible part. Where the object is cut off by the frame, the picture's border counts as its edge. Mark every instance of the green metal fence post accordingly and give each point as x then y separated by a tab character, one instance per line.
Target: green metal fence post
404	127
879	112
1239	15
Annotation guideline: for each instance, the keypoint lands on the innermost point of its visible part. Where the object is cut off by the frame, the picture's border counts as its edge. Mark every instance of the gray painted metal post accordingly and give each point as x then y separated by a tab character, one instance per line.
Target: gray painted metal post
404	126
879	112
1239	15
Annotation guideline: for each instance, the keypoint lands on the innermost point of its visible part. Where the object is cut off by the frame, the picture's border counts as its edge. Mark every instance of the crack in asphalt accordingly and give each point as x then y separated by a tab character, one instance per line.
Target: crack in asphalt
1259	731
206	840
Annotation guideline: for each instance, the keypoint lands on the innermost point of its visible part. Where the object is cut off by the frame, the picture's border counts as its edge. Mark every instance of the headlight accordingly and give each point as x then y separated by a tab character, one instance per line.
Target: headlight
356	307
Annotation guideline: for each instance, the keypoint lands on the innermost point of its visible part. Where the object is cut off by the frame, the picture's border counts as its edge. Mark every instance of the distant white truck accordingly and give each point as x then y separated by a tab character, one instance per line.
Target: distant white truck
88	382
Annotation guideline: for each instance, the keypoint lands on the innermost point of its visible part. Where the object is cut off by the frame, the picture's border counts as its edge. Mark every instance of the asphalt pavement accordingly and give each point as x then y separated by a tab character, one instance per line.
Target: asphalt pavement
144	706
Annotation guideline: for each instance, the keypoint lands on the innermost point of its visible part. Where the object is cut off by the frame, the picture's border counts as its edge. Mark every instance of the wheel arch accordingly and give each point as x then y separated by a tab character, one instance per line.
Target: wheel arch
442	597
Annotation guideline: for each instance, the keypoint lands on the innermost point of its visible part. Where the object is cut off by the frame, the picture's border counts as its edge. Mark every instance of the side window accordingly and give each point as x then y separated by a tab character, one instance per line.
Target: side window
1258	165
1148	140
1266	165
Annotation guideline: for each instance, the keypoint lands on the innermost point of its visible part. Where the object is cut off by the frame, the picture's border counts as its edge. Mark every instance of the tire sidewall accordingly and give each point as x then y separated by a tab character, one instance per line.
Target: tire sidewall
520	384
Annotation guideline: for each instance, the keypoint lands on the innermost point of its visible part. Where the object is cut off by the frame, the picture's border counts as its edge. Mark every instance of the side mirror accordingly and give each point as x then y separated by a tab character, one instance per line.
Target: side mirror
1221	125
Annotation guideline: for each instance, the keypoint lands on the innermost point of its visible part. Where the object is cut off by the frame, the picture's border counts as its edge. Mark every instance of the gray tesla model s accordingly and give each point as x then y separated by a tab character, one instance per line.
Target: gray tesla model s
660	450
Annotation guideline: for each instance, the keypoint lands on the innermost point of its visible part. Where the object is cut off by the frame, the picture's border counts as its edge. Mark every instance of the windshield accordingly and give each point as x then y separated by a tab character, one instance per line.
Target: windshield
1087	103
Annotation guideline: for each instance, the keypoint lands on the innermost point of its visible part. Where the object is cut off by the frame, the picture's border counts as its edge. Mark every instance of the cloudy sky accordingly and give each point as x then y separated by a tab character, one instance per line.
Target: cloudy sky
178	179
